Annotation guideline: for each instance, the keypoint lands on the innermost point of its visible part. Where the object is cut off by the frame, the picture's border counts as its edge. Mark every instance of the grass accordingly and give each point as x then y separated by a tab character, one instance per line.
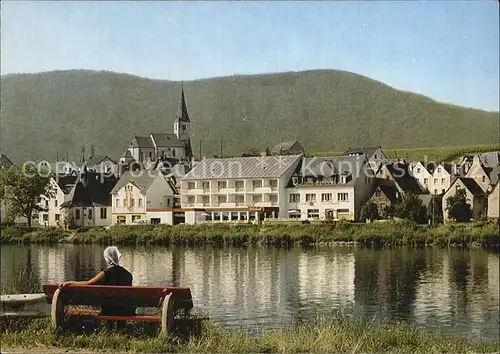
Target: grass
25	283
328	334
485	234
441	154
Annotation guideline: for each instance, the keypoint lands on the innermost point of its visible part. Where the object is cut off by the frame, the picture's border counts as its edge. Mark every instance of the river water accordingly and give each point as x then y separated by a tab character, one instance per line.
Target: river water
456	291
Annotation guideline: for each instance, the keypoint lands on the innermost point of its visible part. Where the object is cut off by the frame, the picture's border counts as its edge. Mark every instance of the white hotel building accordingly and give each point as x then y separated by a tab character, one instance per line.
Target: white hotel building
237	189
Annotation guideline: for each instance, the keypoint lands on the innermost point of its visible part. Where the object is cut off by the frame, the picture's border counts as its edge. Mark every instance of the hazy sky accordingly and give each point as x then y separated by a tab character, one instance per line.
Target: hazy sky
447	50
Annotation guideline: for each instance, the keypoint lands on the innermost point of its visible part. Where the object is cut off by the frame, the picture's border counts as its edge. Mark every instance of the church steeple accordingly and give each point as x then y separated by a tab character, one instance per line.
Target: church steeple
182	113
182	125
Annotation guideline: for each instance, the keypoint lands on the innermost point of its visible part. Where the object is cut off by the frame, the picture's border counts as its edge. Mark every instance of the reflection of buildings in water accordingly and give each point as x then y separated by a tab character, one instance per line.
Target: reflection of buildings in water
493	279
327	276
52	263
434	294
148	267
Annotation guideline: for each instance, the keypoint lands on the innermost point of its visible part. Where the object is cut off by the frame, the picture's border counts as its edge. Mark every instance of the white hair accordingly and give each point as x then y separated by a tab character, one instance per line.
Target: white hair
112	255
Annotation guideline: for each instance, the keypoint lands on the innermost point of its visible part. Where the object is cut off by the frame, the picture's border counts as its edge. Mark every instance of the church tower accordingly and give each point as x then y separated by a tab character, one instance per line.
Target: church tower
182	126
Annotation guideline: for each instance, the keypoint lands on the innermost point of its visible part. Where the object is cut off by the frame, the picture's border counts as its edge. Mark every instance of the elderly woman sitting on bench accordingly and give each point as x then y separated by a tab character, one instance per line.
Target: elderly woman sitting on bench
114	274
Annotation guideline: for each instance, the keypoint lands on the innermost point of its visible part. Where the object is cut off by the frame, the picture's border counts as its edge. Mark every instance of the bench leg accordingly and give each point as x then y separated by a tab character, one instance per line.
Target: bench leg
167	315
57	311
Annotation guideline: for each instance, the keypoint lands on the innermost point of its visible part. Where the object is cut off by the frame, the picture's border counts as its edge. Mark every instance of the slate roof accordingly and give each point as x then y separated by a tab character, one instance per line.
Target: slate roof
389	191
430	166
5	161
285	146
66	181
141	179
242	167
182	113
403	178
472	186
90	190
98	159
166	140
367	150
142	142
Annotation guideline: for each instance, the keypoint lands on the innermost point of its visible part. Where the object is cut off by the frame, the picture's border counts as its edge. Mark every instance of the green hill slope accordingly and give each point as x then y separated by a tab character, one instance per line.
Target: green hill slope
326	110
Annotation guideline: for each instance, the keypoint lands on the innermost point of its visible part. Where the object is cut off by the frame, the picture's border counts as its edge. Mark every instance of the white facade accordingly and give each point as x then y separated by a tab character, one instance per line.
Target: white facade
477	203
441	180
477	172
494	202
422	175
89	216
55	215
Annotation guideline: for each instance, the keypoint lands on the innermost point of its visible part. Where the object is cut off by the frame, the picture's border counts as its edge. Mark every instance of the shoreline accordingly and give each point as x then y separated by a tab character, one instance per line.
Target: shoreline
328	334
380	234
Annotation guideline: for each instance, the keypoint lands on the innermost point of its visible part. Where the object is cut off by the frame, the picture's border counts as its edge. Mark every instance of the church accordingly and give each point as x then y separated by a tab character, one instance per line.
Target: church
157	147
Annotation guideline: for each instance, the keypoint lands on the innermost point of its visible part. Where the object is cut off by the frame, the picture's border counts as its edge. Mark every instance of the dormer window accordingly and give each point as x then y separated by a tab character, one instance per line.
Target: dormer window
295	180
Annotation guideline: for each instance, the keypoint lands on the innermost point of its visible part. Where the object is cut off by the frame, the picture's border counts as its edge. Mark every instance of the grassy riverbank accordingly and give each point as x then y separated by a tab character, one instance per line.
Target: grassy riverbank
328	335
485	234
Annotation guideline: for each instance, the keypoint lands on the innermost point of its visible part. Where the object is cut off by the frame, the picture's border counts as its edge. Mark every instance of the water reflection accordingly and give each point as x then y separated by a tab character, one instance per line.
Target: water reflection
456	290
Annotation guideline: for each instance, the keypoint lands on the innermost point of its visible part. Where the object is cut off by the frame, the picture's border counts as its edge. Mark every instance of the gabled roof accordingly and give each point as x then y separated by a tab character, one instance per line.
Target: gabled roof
389	191
367	150
403	178
471	185
286	145
166	140
5	161
490	159
242	167
91	189
430	166
182	113
98	159
141	179
142	142
66	182
127	154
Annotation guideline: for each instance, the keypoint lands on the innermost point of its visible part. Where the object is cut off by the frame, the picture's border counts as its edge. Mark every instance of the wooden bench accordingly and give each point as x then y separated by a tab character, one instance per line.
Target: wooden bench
173	300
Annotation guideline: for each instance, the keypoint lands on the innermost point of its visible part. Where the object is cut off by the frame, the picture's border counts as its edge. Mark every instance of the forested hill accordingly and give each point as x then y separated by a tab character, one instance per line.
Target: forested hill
326	110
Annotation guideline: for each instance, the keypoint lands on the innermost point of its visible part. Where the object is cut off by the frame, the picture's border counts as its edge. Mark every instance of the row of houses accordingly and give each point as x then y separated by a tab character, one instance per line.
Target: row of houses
247	189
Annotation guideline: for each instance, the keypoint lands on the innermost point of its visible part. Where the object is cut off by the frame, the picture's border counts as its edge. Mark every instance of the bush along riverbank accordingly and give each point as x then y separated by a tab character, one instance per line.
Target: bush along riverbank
485	234
327	335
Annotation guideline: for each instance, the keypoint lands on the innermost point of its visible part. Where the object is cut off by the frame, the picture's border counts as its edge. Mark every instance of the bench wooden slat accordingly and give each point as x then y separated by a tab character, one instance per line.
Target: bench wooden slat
131	296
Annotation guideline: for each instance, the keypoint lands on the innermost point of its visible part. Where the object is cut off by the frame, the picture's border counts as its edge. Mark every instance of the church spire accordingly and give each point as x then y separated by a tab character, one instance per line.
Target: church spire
182	113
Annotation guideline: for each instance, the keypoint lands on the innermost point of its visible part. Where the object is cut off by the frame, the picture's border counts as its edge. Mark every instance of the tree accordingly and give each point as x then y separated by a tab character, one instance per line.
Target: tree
251	152
410	208
457	206
23	188
369	211
435	209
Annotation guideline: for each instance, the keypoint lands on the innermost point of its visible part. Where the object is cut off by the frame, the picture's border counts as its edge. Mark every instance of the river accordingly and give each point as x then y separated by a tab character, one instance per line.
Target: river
455	290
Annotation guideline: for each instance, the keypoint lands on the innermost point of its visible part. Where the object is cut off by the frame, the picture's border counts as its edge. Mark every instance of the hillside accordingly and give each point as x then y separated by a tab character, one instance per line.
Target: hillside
326	110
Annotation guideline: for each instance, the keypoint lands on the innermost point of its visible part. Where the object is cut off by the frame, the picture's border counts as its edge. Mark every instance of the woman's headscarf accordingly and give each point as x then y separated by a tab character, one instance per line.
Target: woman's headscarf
112	255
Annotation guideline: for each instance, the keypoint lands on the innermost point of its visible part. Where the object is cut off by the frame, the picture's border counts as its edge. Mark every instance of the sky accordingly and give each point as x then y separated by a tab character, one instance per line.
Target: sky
447	50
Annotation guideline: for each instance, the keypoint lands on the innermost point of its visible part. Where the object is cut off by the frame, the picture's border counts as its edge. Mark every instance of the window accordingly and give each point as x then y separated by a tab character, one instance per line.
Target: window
89	214
377	193
442	180
222	184
205	185
205	199
295	180
58	217
273	183
257	183
442	190
191	185
104	213
435	191
426	180
121	219
55	202
326	197
435	181
239	198
222	199
343	197
295	198
418	169
273	198
173	152
183	127
257	198
132	202
140	202
342	179
117	202
191	199
439	169
45	217
77	214
46	203
239	184
313	213
484	179
150	155
136	217
310	198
